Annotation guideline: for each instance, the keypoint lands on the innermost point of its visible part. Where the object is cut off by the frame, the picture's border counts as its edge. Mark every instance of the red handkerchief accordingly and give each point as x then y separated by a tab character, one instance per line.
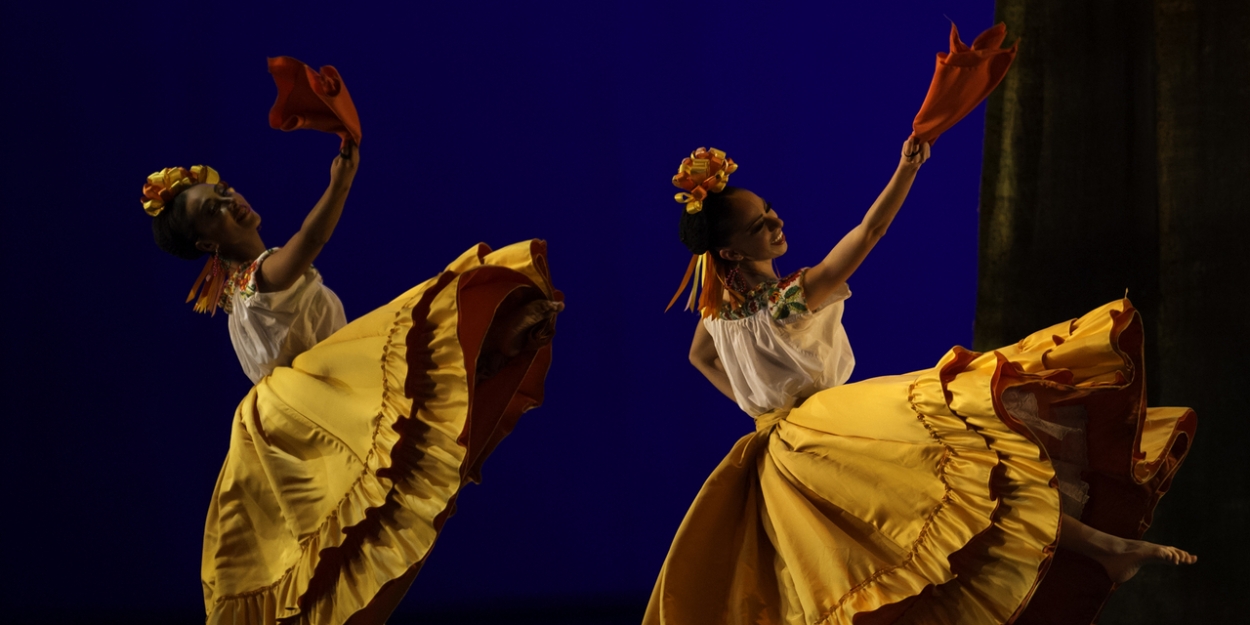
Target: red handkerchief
963	78
308	99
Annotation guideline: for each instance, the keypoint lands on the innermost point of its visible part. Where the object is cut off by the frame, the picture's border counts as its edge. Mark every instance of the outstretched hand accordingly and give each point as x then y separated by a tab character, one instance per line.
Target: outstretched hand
343	169
915	153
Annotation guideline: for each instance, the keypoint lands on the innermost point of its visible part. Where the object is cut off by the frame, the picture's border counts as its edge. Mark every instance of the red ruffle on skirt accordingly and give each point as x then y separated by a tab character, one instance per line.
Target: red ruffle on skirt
343	467
920	498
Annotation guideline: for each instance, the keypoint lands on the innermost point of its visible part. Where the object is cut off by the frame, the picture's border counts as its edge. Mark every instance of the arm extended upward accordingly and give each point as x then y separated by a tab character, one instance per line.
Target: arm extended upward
845	257
282	268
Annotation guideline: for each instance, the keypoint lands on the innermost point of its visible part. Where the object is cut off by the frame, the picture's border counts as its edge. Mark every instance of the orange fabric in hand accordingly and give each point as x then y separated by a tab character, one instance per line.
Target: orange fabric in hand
308	99
963	78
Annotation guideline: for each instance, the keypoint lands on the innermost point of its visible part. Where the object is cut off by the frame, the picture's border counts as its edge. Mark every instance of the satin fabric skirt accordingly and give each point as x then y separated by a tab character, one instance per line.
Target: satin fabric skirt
920	498
344	466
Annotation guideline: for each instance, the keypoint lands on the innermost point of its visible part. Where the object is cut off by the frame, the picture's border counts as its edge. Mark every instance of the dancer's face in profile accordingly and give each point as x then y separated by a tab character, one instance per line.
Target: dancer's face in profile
756	229
220	215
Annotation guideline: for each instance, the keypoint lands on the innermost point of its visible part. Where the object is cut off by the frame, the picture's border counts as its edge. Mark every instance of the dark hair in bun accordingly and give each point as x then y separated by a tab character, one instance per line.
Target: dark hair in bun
174	232
708	229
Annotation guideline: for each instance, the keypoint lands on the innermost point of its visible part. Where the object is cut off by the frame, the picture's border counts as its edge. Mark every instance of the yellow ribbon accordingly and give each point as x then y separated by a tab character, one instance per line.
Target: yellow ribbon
697	269
705	171
694	263
707	288
692	303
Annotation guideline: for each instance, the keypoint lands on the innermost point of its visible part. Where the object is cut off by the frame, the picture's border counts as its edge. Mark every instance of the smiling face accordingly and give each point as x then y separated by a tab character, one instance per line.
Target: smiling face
220	216
754	230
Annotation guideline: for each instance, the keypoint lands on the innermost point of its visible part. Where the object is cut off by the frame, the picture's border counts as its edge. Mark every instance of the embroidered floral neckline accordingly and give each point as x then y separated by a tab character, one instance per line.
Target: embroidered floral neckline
784	299
241	281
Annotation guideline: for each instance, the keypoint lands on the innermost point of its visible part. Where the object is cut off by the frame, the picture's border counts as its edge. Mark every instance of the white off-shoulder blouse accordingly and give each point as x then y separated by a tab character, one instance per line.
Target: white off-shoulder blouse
269	330
776	349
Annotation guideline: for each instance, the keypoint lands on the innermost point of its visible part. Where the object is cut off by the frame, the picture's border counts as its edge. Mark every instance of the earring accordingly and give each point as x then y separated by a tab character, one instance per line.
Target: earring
208	287
735	281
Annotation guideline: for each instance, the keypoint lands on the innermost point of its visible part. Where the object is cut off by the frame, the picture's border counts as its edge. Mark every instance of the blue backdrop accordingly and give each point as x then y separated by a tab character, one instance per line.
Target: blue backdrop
481	123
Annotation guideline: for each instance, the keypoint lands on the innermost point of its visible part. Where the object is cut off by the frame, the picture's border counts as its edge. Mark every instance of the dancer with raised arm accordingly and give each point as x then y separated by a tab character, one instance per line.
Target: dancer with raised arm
938	496
347	455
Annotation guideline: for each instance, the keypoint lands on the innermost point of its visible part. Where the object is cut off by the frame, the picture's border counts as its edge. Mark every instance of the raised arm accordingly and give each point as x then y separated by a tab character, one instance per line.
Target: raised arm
704	358
282	268
845	257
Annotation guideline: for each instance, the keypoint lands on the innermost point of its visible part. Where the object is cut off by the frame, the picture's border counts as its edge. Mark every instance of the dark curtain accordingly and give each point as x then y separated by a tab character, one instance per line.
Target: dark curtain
1117	156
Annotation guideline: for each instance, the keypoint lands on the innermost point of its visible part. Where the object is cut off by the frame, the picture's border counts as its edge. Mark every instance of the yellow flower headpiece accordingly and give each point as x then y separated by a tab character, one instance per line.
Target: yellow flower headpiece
164	185
160	189
706	171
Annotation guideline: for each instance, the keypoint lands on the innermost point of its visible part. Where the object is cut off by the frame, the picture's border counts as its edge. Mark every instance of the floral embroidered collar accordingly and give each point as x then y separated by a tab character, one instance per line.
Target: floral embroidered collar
241	281
783	298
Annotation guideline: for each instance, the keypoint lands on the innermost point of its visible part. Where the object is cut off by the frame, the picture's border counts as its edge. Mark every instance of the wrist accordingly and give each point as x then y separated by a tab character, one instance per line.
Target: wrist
340	184
907	167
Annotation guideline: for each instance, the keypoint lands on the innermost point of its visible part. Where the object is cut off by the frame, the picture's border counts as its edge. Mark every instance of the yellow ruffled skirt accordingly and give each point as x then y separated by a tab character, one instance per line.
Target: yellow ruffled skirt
920	498
344	466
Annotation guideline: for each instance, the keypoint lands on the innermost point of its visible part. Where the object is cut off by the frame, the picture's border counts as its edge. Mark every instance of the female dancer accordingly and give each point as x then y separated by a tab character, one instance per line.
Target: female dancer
932	497
347	455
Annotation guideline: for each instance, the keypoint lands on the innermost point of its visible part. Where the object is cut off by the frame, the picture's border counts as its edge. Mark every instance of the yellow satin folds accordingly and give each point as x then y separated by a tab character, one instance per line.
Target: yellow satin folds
916	498
339	474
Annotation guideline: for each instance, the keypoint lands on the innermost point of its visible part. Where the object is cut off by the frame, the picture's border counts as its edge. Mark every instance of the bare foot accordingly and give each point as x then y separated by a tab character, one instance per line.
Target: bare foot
1124	560
1120	557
